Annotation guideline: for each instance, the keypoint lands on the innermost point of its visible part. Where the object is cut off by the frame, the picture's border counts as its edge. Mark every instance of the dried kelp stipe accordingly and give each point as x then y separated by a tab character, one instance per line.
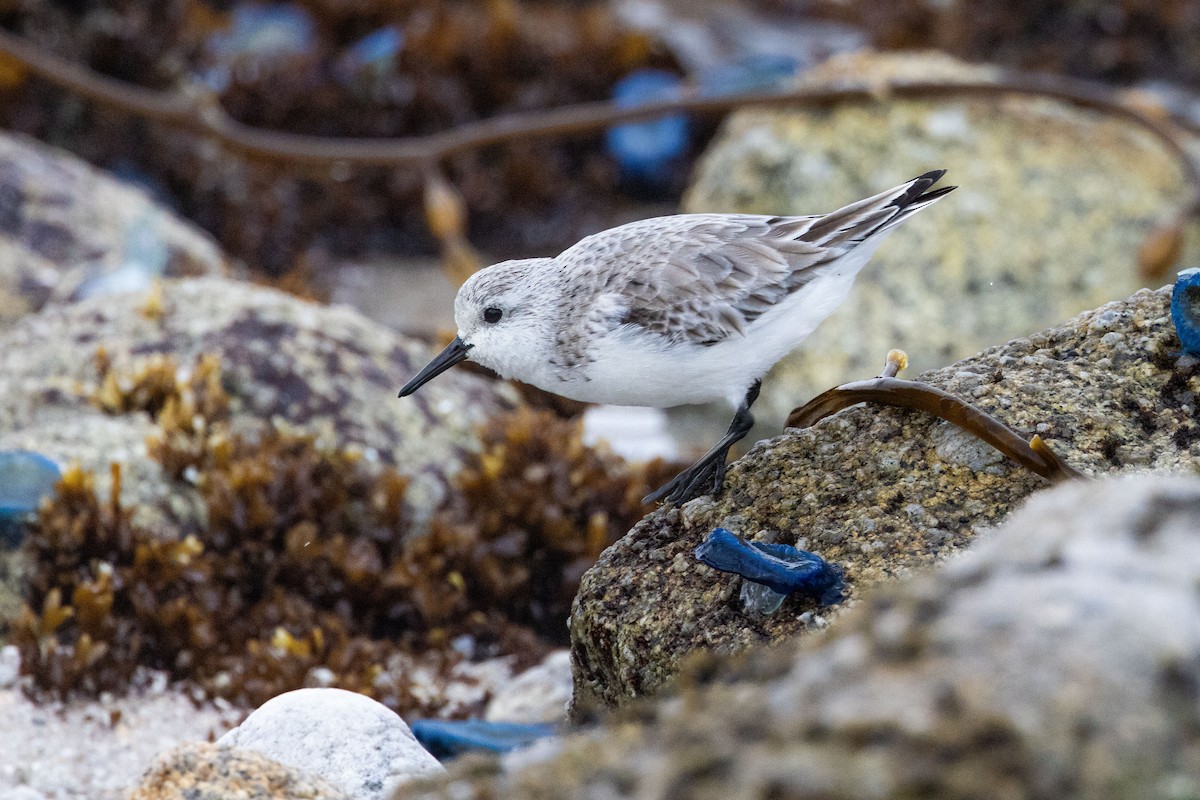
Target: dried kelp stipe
771	572
266	83
1035	455
1185	310
446	217
516	127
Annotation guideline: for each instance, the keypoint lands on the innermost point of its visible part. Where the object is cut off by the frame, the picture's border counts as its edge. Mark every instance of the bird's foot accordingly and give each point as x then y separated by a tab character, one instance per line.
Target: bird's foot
706	476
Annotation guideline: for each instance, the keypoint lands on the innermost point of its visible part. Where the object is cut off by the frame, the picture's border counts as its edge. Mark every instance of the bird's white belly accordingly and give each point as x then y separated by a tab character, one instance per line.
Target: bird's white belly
639	371
647	376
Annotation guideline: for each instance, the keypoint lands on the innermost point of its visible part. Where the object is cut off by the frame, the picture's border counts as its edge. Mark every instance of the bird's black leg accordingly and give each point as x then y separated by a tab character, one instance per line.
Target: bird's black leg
708	474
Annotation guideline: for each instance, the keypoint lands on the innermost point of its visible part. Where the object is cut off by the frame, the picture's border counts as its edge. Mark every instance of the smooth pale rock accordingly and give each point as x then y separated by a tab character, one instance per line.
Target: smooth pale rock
347	738
881	491
1046	222
539	694
1058	658
64	224
203	771
325	370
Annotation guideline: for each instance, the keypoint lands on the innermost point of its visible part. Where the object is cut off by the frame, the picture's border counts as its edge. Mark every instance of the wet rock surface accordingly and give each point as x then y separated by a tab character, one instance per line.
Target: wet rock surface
65	226
309	368
1057	658
1035	233
882	491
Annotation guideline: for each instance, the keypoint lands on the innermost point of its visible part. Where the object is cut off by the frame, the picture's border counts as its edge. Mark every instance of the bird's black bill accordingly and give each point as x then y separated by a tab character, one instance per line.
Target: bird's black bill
455	352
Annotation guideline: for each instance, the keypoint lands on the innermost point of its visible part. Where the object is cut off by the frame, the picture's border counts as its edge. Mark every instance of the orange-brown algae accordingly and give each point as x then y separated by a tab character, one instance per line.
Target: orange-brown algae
306	564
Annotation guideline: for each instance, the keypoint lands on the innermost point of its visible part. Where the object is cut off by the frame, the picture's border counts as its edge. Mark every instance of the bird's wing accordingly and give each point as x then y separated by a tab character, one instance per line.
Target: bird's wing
702	278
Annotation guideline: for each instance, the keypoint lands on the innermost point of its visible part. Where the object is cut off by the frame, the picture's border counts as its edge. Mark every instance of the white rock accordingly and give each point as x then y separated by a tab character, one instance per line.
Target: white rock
539	694
21	793
347	738
10	665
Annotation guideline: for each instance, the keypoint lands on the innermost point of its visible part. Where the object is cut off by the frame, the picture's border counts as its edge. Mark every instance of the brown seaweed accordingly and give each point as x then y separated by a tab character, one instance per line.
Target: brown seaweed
306	566
1035	455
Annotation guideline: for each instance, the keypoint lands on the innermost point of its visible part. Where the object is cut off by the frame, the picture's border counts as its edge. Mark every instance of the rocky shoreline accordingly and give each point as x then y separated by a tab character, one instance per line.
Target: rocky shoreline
256	556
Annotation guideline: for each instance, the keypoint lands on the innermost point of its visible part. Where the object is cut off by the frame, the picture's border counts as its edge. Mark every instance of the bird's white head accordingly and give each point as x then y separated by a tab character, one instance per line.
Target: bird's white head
504	316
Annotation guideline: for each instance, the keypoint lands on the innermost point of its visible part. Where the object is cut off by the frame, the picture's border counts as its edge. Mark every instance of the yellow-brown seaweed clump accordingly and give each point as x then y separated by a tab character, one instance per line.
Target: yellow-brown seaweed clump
536	508
305	559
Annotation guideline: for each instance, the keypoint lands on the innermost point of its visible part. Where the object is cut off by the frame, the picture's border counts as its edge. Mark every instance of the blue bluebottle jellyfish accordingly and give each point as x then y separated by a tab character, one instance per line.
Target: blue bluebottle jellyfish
646	151
752	73
1185	310
771	572
25	478
258	34
446	739
372	58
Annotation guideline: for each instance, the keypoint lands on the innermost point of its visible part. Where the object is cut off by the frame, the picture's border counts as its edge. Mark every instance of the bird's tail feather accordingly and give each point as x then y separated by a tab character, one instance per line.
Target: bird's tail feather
860	221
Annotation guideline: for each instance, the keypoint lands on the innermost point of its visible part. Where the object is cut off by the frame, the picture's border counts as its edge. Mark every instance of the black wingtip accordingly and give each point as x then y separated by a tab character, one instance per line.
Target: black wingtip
917	187
935	194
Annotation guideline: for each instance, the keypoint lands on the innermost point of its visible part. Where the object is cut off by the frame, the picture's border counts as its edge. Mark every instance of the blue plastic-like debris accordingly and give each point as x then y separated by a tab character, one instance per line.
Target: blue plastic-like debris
25	478
260	32
646	150
1185	310
753	73
144	257
449	738
377	51
780	568
267	29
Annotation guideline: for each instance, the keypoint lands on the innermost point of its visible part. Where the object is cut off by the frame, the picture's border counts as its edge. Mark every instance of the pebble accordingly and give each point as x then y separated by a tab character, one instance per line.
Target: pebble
539	694
346	738
10	666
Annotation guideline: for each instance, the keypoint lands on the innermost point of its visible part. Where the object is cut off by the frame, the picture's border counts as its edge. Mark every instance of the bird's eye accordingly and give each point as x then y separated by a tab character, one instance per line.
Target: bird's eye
492	315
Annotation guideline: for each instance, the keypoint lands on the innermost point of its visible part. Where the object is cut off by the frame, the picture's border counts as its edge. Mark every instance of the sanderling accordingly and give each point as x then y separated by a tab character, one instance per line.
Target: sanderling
674	310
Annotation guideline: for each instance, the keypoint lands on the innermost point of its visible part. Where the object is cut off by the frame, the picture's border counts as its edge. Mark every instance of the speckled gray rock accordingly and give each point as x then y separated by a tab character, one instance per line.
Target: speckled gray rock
882	491
347	738
1058	658
318	369
203	771
1046	222
64	223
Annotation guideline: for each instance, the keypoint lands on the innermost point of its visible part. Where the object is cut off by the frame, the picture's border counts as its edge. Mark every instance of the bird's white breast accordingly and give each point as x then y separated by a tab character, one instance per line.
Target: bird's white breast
629	367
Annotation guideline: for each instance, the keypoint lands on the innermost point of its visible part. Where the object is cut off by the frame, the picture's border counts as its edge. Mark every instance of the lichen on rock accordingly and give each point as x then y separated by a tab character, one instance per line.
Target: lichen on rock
1059	657
884	491
304	564
319	370
203	771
